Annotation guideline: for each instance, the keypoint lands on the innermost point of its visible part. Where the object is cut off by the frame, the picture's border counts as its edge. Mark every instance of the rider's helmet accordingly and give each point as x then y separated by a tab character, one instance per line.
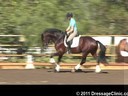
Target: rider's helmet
69	15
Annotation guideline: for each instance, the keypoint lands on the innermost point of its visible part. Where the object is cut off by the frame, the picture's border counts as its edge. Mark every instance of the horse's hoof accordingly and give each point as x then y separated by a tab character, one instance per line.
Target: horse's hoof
98	69
56	71
79	70
73	70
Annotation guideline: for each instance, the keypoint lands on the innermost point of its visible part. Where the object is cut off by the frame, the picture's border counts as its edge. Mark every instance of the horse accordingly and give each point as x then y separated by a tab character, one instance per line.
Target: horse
122	48
122	51
86	45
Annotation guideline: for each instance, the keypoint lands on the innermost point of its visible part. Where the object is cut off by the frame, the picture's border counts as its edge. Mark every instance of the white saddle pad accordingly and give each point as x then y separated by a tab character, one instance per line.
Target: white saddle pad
124	53
75	42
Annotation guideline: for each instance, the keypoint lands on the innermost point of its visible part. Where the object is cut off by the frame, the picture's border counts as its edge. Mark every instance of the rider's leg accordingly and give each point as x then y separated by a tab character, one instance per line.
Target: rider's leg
71	36
69	47
69	40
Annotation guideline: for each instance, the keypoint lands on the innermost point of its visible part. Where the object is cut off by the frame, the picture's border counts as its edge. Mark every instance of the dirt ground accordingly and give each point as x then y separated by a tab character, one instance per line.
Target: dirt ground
48	76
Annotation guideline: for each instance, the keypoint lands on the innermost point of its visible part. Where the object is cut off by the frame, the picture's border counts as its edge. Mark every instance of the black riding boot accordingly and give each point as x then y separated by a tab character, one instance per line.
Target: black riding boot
69	47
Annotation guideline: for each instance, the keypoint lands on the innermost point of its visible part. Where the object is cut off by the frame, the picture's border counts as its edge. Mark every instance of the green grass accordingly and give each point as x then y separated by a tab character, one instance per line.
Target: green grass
46	59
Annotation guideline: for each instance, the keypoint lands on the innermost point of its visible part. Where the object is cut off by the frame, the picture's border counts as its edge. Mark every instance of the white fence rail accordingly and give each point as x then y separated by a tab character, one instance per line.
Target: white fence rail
109	40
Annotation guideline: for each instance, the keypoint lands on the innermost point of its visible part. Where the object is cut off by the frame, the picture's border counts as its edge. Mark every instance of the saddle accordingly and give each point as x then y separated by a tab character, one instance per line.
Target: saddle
74	41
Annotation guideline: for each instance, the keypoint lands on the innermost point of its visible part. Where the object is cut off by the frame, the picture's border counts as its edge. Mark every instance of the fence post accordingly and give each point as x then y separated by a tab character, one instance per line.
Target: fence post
29	64
113	49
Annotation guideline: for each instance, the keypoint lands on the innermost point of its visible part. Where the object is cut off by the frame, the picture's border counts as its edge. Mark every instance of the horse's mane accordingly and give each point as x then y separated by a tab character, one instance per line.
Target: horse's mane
53	31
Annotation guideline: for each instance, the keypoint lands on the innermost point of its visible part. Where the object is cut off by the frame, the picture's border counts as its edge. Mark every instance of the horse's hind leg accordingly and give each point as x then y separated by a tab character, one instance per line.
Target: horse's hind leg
98	69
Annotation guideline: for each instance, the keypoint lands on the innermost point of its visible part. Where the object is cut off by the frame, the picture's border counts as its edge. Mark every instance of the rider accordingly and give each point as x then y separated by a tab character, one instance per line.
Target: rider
71	30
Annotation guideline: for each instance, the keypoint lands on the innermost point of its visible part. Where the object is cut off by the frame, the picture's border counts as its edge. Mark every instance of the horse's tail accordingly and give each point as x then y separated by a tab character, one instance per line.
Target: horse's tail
102	52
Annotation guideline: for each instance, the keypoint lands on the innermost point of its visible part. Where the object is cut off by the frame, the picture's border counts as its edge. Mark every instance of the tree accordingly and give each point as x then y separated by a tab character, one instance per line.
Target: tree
31	17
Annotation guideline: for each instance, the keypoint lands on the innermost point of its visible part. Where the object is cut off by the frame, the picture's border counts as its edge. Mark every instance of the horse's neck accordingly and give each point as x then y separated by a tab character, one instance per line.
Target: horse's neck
55	38
60	39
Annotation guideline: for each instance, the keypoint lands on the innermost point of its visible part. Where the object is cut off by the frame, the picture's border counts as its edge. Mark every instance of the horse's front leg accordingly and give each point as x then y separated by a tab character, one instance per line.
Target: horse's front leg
52	60
77	67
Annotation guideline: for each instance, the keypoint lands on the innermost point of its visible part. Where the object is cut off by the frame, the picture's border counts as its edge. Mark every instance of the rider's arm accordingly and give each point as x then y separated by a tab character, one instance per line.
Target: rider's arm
71	26
68	29
71	29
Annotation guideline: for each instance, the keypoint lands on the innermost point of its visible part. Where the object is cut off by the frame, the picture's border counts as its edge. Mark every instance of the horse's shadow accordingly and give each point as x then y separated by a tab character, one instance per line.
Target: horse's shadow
78	71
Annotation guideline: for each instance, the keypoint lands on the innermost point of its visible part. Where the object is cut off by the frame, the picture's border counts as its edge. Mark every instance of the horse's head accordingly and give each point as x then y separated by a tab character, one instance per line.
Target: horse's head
50	36
45	40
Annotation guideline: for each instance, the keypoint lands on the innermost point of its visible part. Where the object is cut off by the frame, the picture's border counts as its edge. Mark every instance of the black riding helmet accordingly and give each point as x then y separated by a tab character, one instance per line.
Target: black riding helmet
69	15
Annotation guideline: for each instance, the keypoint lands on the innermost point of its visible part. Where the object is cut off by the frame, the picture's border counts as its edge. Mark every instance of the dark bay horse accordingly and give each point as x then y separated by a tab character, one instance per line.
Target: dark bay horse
86	45
122	48
122	51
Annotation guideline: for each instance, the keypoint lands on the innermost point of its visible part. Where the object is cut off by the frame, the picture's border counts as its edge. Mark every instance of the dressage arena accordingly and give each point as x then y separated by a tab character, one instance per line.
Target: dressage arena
111	74
17	73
